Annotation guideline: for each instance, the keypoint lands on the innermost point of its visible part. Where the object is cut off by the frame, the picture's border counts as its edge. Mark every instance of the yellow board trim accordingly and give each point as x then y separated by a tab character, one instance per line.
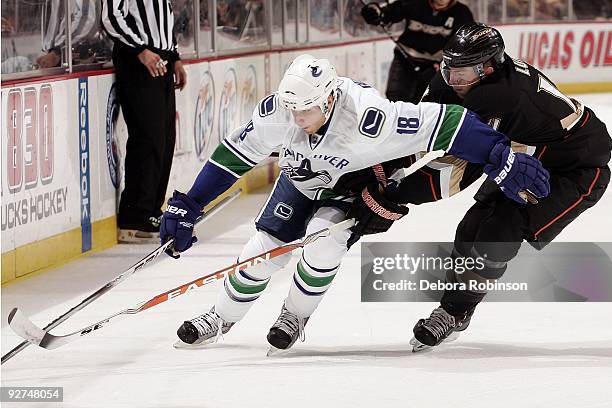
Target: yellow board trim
40	256
585	87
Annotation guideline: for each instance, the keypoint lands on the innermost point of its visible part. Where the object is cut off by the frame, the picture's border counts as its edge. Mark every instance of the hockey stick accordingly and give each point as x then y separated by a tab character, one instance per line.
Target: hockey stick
423	161
401	173
133	269
399	47
24	327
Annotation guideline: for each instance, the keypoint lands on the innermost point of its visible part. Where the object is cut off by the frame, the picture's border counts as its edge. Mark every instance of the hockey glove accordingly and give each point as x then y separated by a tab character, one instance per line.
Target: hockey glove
514	172
372	13
373	213
178	221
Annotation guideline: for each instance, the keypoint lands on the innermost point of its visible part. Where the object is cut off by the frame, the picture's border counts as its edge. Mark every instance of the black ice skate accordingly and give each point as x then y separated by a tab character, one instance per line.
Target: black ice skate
144	233
285	331
202	330
438	327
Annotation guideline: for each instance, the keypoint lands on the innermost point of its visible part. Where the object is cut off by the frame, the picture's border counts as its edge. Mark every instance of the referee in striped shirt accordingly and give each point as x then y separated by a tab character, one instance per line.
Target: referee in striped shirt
148	70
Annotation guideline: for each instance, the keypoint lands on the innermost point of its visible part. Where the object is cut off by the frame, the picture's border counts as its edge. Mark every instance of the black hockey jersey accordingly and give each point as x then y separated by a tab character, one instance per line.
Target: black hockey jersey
521	102
427	31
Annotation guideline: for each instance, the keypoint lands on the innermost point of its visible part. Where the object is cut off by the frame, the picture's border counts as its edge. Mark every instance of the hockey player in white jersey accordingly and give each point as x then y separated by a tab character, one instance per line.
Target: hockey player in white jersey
324	127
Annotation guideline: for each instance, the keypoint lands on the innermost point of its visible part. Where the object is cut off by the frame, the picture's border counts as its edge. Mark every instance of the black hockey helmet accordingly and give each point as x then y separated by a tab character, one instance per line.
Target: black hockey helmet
473	44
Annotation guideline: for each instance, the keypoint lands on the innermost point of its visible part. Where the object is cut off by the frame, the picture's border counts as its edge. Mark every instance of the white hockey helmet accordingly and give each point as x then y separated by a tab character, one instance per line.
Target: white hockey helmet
308	82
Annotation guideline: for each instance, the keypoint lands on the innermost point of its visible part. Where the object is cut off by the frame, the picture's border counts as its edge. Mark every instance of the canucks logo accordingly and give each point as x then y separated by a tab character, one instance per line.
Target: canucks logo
316	71
372	122
304	173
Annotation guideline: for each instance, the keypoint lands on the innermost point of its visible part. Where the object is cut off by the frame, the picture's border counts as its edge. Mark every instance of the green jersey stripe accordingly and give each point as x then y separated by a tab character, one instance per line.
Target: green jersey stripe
457	129
313	281
246	289
453	117
226	159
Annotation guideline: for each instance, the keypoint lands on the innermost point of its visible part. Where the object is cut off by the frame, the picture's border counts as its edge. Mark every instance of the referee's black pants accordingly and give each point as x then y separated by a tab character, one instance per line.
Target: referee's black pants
149	110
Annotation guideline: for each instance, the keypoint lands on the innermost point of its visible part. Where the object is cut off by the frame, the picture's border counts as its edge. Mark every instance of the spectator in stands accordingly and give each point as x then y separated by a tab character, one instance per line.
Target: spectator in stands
324	15
89	44
518	10
551	10
183	22
593	9
230	15
353	23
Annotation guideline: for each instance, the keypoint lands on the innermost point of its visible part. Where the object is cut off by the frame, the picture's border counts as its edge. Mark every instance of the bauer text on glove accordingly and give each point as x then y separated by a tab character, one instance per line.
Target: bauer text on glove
178	222
514	172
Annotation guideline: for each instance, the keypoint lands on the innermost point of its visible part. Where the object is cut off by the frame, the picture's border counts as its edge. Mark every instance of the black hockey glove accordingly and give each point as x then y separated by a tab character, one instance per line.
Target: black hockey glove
178	221
373	213
372	13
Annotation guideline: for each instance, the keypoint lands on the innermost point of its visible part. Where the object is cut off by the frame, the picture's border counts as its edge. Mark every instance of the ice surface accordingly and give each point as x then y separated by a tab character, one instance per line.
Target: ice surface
355	354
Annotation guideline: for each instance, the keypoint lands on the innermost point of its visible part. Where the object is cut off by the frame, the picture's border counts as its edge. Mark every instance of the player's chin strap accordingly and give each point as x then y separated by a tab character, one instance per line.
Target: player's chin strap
399	174
326	107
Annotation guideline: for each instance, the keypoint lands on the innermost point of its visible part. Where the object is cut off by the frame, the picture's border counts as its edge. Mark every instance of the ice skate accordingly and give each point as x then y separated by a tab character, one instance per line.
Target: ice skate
438	327
285	332
202	330
145	233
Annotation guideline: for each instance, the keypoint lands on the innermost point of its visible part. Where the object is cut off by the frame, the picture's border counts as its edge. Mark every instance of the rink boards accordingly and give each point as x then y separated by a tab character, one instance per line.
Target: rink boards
64	137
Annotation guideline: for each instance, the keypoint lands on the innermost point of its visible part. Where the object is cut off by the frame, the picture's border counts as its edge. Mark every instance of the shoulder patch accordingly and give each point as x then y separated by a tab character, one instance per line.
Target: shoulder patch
267	105
246	130
372	122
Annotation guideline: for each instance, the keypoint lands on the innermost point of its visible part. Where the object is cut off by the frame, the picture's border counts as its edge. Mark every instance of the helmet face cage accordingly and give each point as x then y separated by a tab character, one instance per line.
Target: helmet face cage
308	82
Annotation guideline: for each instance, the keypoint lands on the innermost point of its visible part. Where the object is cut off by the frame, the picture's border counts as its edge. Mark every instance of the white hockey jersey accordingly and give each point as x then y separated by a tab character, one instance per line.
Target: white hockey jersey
365	129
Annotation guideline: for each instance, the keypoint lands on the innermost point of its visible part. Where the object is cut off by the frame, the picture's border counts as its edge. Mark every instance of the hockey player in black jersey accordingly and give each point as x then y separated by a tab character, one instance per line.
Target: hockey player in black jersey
429	25
521	102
